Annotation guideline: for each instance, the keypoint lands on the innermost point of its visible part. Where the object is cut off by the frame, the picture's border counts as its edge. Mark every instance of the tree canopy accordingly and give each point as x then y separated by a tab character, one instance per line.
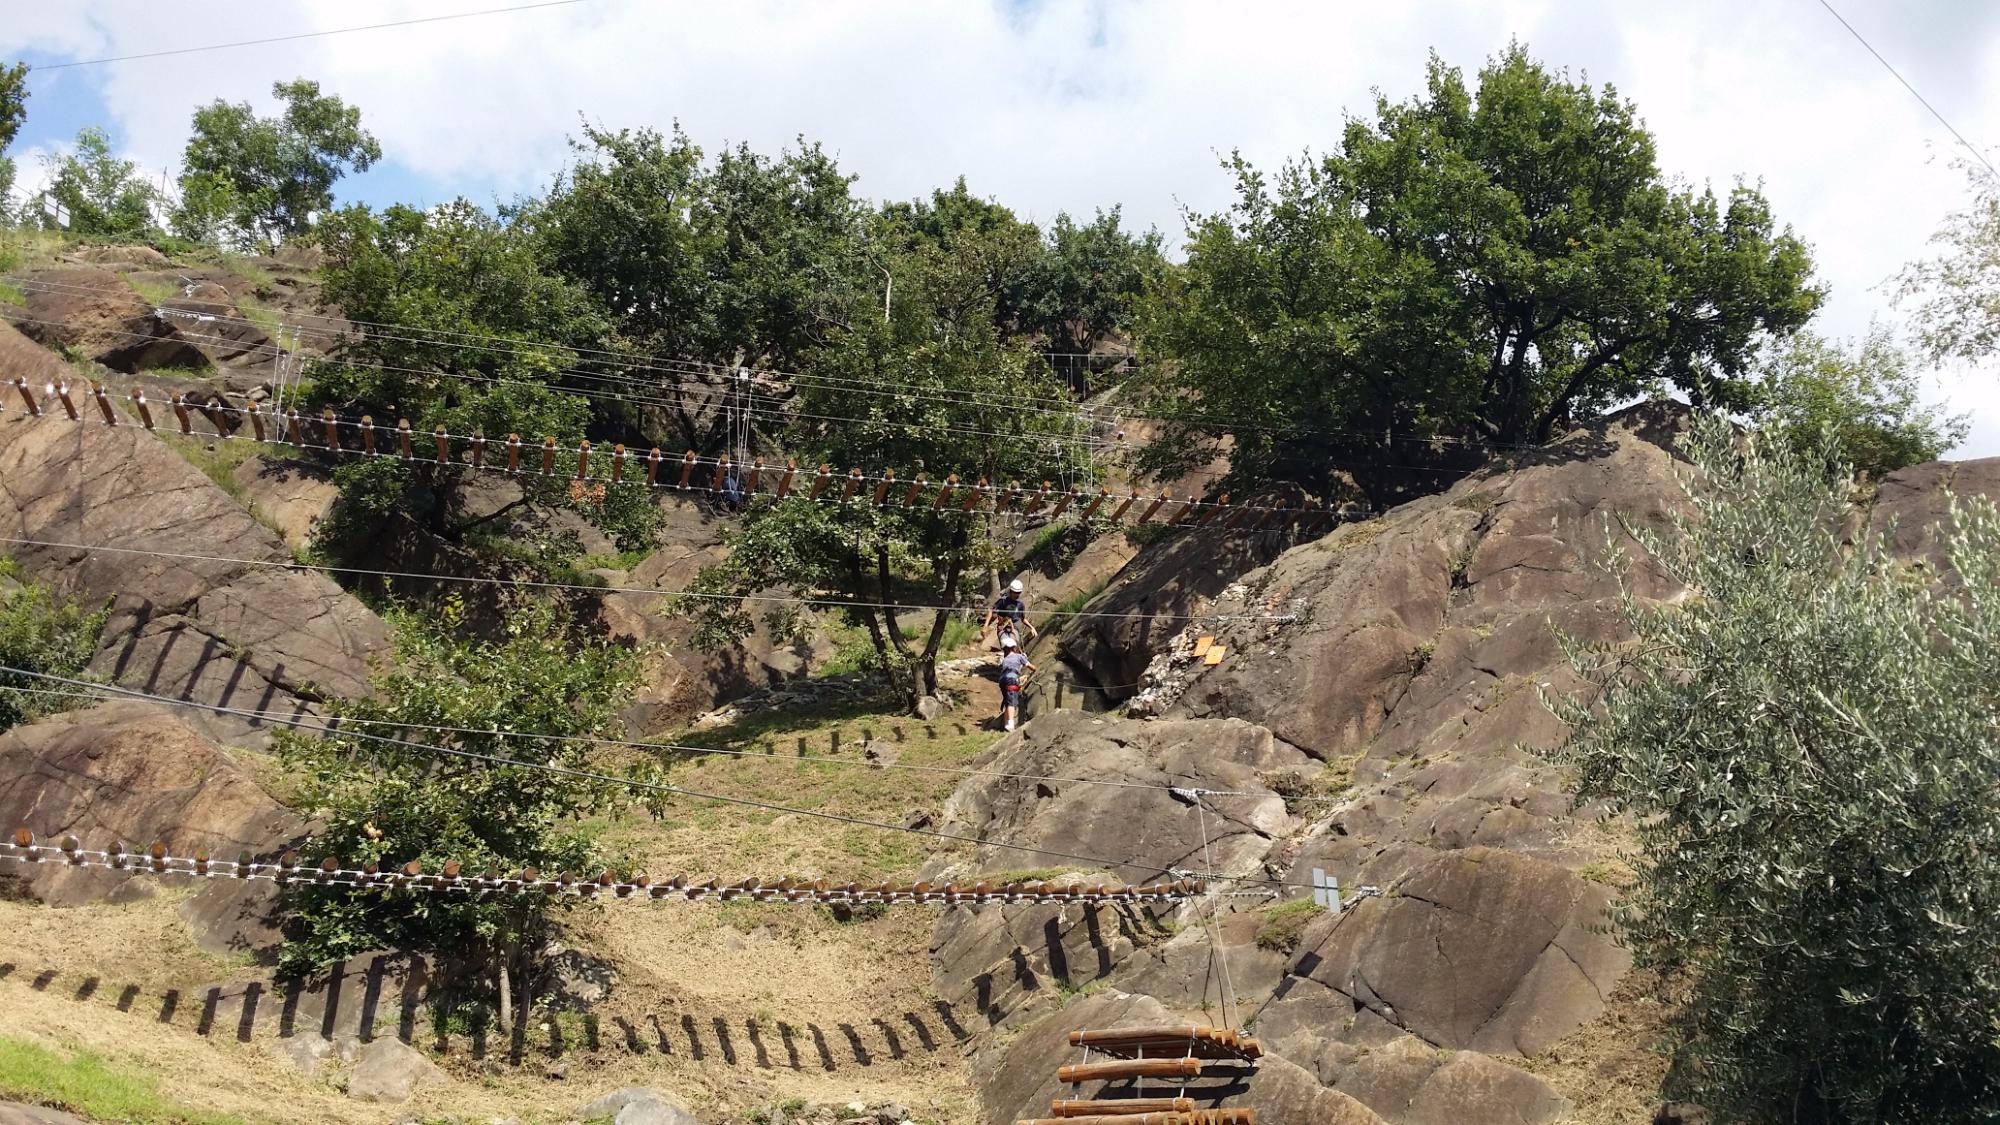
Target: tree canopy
1480	264
99	193
389	804
1867	402
1805	745
13	110
931	386
247	178
1957	291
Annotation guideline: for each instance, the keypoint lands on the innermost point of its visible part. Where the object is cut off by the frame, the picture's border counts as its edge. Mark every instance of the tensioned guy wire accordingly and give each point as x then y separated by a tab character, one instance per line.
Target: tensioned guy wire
722	372
318	725
536	584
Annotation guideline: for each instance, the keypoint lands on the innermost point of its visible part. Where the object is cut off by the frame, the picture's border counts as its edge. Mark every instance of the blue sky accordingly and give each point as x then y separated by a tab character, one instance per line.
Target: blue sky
1071	106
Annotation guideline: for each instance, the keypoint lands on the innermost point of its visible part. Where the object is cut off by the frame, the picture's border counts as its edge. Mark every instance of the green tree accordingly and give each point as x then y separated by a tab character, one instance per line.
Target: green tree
390	804
1085	286
748	260
13	110
456	325
99	193
1957	293
40	633
954	398
1484	265
988	240
1805	746
268	176
1869	402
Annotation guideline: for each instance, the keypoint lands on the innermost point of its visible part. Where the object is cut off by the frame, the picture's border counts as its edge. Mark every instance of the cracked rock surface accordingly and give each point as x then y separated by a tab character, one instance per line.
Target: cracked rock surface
186	624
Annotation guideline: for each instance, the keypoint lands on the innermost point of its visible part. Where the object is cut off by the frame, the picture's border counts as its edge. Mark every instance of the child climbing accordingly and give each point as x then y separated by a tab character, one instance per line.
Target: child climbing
1015	667
1010	613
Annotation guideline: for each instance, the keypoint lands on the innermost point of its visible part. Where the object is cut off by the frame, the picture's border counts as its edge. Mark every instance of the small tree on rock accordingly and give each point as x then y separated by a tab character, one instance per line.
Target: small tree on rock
262	179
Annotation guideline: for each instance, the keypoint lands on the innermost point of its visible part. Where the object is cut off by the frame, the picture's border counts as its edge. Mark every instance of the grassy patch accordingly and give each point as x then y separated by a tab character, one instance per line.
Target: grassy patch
155	292
11	295
809	759
1147	534
217	460
1282	927
266	320
89	1085
617	560
1071	605
854	649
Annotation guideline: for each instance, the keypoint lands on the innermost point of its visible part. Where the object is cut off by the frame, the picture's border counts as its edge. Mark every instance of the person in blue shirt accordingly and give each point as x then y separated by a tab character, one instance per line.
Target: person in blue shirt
1010	613
1015	667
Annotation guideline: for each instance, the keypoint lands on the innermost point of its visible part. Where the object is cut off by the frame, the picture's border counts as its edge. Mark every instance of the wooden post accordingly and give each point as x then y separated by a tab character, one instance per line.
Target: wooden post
617	463
180	412
549	456
403	439
583	459
443	445
104	404
513	453
27	396
332	428
145	415
367	435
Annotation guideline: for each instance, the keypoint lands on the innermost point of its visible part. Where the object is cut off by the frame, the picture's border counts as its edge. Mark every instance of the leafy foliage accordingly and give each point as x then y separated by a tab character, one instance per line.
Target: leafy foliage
457	325
1957	293
1806	743
1868	402
391	804
13	109
267	177
952	393
1485	265
1086	284
745	259
41	633
101	194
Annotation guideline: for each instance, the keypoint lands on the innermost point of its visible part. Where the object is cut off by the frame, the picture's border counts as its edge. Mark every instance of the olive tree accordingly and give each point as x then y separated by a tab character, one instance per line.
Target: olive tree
1806	743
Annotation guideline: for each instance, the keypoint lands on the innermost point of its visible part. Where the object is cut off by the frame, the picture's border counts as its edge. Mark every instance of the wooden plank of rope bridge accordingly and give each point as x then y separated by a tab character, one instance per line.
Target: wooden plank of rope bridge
1136	1034
1086	1107
1134	1068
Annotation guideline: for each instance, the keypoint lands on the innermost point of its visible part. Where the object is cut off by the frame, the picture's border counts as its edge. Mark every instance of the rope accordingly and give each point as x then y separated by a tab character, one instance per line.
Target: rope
450	879
1219	961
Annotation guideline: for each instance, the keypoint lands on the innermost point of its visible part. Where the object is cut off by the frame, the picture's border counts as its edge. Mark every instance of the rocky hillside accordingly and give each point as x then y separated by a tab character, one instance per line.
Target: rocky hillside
1376	715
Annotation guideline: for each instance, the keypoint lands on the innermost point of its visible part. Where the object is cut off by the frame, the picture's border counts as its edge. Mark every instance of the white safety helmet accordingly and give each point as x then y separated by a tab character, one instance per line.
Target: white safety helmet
1016	586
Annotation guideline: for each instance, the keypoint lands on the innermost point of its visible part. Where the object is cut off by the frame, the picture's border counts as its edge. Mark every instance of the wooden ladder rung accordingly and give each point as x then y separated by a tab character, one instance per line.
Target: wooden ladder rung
1109	1107
1118	1119
1129	1068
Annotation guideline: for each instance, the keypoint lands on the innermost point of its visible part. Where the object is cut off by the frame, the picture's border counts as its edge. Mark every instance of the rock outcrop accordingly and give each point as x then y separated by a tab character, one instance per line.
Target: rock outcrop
1375	716
152	538
137	775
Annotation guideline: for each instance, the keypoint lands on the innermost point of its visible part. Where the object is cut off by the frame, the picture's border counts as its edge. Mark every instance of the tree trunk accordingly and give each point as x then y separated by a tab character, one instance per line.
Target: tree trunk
506	997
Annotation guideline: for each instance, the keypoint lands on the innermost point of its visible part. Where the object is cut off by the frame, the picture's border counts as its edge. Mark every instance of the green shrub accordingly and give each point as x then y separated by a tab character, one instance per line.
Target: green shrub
1805	744
40	633
1283	926
393	804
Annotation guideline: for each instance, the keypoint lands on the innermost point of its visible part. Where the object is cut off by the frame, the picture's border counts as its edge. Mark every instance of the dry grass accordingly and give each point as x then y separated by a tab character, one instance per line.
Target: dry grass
733	1007
1611	1068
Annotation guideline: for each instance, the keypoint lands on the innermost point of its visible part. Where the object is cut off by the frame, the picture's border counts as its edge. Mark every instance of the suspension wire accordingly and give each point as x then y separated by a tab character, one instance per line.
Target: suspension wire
1217	956
323	726
691	367
537	584
341	722
921	484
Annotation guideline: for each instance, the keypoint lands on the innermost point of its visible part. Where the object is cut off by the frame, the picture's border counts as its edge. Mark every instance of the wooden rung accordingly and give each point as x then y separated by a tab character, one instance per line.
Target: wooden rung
1182	1031
1112	1107
1215	655
1117	1119
1202	644
1129	1068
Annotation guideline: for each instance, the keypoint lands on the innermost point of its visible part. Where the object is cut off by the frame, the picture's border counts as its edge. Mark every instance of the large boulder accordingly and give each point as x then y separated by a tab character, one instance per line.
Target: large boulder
390	1070
291	496
119	517
1912	506
1477	949
96	314
1110	794
136	774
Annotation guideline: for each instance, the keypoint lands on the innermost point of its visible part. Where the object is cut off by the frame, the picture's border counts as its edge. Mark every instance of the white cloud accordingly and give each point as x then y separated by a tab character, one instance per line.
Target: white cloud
1074	106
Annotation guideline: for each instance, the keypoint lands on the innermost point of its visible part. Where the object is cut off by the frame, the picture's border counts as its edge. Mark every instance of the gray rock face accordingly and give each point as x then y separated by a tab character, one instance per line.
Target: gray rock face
390	1070
293	496
243	636
1479	949
1912	507
136	774
637	1105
